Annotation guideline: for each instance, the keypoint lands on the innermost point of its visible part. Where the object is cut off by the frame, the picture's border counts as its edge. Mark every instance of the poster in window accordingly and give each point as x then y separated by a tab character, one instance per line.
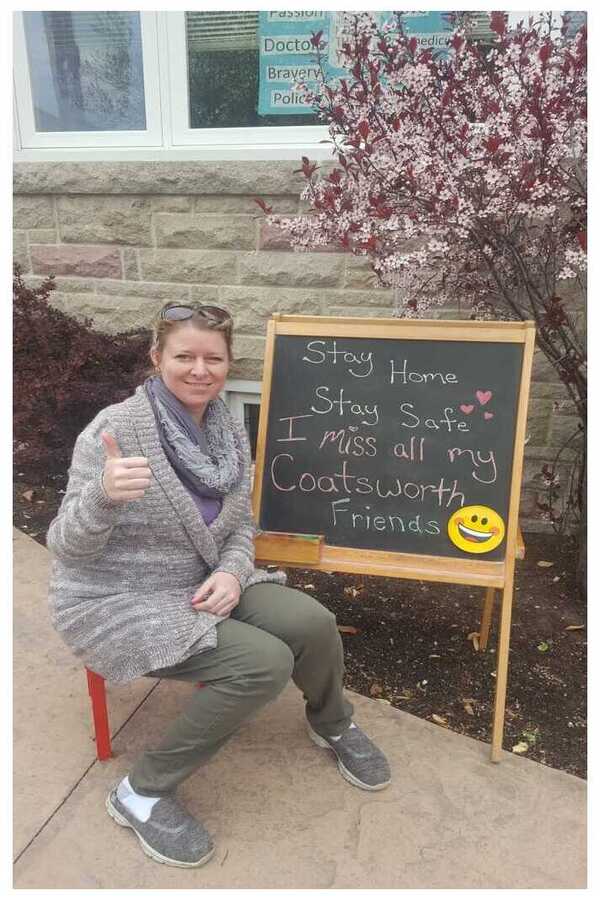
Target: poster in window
287	57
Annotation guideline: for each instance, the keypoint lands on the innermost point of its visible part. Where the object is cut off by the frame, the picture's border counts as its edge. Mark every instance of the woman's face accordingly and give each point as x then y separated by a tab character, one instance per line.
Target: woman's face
194	365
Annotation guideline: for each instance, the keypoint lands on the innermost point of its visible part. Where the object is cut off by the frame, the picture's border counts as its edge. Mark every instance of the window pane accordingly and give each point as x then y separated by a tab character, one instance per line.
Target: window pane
86	70
251	416
223	71
244	66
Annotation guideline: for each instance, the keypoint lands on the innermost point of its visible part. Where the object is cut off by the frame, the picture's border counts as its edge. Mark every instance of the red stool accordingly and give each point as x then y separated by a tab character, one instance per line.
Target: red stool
97	692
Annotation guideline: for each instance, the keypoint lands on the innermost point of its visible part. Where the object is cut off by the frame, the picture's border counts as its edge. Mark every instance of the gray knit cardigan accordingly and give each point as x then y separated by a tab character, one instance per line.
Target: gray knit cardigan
123	574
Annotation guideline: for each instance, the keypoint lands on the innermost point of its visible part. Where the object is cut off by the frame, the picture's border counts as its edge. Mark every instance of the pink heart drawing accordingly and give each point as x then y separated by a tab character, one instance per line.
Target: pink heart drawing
467	408
488	415
483	396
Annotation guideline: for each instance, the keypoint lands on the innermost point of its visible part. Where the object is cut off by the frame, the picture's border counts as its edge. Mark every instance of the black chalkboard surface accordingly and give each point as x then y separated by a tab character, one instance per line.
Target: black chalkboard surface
377	443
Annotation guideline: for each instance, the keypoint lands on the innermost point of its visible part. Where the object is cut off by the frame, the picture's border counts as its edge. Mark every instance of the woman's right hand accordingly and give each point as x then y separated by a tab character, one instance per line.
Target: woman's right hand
124	477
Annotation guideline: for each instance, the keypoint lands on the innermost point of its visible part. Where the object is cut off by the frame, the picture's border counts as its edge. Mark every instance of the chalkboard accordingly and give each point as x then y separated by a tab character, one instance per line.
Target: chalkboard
394	447
393	444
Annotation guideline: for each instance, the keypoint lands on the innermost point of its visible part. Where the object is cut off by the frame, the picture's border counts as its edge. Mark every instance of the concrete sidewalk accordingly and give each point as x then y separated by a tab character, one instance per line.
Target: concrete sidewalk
281	815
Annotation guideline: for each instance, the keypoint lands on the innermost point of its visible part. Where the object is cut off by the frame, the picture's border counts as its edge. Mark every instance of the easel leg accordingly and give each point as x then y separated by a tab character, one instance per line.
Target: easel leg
486	617
502	671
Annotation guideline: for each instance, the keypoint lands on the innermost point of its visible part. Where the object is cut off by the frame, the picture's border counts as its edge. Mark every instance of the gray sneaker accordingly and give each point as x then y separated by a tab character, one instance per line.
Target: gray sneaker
171	835
359	760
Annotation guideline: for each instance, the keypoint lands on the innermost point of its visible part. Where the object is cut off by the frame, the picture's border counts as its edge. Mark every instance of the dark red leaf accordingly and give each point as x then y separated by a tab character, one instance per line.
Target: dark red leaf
266	209
492	143
363	129
498	23
545	52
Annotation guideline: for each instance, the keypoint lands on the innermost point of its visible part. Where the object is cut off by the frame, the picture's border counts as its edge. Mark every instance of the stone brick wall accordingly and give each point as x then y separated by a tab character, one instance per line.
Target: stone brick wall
123	238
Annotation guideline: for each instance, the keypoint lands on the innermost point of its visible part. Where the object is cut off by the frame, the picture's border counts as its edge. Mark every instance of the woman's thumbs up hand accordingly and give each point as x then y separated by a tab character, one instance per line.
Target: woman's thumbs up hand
124	477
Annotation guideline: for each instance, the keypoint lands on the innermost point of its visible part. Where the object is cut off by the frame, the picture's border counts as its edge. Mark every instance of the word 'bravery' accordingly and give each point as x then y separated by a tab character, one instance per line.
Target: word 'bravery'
361	365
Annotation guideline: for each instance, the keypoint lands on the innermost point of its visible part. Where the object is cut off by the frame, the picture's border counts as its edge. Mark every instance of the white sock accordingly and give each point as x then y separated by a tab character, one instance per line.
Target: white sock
336	737
139	806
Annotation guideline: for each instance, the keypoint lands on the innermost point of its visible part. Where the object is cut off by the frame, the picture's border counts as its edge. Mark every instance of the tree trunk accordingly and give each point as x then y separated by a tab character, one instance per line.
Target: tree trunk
581	572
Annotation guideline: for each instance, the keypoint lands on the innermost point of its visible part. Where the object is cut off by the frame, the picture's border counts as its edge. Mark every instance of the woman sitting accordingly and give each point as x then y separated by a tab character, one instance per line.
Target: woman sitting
153	574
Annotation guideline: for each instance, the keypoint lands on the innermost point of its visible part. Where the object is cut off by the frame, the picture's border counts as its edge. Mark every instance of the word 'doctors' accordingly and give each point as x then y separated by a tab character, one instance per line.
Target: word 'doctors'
381	443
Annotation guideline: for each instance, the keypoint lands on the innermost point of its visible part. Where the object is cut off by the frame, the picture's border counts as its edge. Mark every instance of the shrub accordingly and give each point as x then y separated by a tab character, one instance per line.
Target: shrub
64	373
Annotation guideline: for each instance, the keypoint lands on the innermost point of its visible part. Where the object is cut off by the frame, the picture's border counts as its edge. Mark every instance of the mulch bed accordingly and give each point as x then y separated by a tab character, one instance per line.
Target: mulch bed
408	643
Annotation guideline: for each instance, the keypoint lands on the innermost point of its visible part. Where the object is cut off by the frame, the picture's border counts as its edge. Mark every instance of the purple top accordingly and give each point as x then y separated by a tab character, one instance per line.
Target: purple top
210	508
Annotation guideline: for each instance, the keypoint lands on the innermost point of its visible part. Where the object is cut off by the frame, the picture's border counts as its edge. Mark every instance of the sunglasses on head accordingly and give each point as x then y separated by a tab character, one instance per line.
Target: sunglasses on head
210	313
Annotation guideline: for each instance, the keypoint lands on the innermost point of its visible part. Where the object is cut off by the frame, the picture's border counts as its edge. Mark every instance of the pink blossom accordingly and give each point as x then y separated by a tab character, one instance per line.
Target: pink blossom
482	161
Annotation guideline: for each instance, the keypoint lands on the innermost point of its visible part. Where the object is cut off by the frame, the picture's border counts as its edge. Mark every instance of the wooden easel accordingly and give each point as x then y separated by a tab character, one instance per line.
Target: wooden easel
311	551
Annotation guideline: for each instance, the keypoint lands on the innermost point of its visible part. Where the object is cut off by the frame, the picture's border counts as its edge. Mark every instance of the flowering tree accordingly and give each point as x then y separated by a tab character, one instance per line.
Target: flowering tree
461	178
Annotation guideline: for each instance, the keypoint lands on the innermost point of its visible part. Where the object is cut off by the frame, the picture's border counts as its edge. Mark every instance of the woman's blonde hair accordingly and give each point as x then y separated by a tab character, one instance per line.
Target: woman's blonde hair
206	318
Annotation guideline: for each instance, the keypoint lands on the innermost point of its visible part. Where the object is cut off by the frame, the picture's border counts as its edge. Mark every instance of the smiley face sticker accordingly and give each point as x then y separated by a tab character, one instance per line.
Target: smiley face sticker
476	529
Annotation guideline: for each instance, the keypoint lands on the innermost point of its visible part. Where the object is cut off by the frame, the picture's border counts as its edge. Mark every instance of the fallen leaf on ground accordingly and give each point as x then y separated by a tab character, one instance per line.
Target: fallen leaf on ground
544	564
352	590
543	646
28	495
375	689
309	587
521	747
348	629
574	627
439	720
468	708
474	636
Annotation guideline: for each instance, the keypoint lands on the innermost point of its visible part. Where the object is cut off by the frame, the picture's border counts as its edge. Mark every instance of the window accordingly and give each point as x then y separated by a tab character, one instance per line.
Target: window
86	80
224	68
176	85
86	71
243	400
215	62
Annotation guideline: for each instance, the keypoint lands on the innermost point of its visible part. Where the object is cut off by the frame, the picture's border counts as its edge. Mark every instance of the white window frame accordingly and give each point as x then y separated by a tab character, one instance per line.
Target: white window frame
238	392
31	139
296	136
169	136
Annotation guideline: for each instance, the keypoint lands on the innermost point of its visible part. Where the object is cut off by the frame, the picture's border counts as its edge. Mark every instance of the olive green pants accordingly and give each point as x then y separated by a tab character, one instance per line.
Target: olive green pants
273	634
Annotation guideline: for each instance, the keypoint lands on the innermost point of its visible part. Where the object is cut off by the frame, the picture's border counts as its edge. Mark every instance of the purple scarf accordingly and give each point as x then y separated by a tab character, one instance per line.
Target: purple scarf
206	459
